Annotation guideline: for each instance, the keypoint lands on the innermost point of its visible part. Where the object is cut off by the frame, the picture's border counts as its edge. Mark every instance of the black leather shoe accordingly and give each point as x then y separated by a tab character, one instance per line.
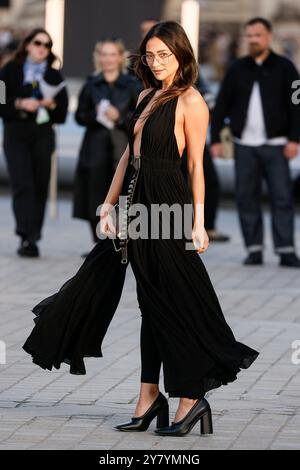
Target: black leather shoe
200	410
254	258
289	259
28	249
159	408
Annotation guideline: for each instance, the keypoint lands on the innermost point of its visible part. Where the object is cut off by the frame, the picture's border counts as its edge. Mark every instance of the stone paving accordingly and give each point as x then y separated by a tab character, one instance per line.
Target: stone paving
56	410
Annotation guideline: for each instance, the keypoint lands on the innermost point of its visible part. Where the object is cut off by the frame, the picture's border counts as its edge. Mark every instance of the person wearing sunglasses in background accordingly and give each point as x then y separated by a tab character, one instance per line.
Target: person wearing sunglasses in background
29	138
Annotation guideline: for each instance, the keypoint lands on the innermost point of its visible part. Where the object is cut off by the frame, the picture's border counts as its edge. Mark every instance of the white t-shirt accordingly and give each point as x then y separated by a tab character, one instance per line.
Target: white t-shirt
254	132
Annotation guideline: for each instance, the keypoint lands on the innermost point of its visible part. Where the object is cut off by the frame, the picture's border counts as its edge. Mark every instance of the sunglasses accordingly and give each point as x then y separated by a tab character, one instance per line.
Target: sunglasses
38	43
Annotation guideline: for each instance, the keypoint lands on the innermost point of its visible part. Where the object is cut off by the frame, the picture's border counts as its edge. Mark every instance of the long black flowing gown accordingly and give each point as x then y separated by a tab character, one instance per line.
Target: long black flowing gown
198	349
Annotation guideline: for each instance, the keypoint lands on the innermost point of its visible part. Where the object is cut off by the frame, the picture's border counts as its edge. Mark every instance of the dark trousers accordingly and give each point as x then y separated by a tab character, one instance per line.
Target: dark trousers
252	164
151	359
150	355
28	148
212	187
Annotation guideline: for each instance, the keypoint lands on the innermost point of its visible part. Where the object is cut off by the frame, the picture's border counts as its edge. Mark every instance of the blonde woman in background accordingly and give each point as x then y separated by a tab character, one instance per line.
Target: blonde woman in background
106	103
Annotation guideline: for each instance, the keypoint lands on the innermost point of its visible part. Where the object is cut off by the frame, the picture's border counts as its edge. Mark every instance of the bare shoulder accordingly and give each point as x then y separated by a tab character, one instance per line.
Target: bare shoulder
143	93
146	91
193	100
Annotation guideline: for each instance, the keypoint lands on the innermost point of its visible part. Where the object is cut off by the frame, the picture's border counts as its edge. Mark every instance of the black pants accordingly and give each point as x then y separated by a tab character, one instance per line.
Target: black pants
251	165
212	187
150	356
28	148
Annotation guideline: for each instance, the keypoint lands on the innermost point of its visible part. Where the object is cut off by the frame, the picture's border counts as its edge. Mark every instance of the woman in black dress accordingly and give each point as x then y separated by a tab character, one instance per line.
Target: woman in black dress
183	327
29	136
103	143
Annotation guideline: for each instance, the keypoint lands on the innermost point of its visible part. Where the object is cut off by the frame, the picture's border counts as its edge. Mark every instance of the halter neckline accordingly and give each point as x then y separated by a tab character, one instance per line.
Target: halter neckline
145	98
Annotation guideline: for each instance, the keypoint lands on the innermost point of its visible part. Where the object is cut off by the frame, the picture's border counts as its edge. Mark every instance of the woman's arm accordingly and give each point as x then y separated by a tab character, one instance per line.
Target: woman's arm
196	118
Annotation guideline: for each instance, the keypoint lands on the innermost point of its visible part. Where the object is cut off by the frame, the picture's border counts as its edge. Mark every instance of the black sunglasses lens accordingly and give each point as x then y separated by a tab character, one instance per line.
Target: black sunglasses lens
48	45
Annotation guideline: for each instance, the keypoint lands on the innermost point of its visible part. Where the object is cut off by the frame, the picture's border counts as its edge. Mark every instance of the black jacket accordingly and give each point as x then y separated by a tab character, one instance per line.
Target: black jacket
12	75
123	94
275	77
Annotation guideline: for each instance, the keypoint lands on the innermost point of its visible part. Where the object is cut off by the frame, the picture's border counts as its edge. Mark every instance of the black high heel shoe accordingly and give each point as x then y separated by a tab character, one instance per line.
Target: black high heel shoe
200	410
159	408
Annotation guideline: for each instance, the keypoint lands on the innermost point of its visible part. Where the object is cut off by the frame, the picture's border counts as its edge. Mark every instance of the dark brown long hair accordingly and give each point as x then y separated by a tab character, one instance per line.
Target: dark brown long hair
174	36
21	53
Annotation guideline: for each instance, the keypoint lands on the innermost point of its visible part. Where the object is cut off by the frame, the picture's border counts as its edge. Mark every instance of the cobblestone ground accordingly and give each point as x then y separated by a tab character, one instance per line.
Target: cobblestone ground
55	410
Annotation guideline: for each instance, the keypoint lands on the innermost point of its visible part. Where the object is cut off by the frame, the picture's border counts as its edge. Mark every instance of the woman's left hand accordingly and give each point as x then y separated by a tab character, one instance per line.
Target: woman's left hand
47	103
200	238
112	113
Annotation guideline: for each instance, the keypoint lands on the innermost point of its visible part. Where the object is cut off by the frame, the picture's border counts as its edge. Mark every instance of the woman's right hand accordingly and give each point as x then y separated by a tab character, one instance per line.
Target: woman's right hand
29	104
107	225
217	150
200	238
